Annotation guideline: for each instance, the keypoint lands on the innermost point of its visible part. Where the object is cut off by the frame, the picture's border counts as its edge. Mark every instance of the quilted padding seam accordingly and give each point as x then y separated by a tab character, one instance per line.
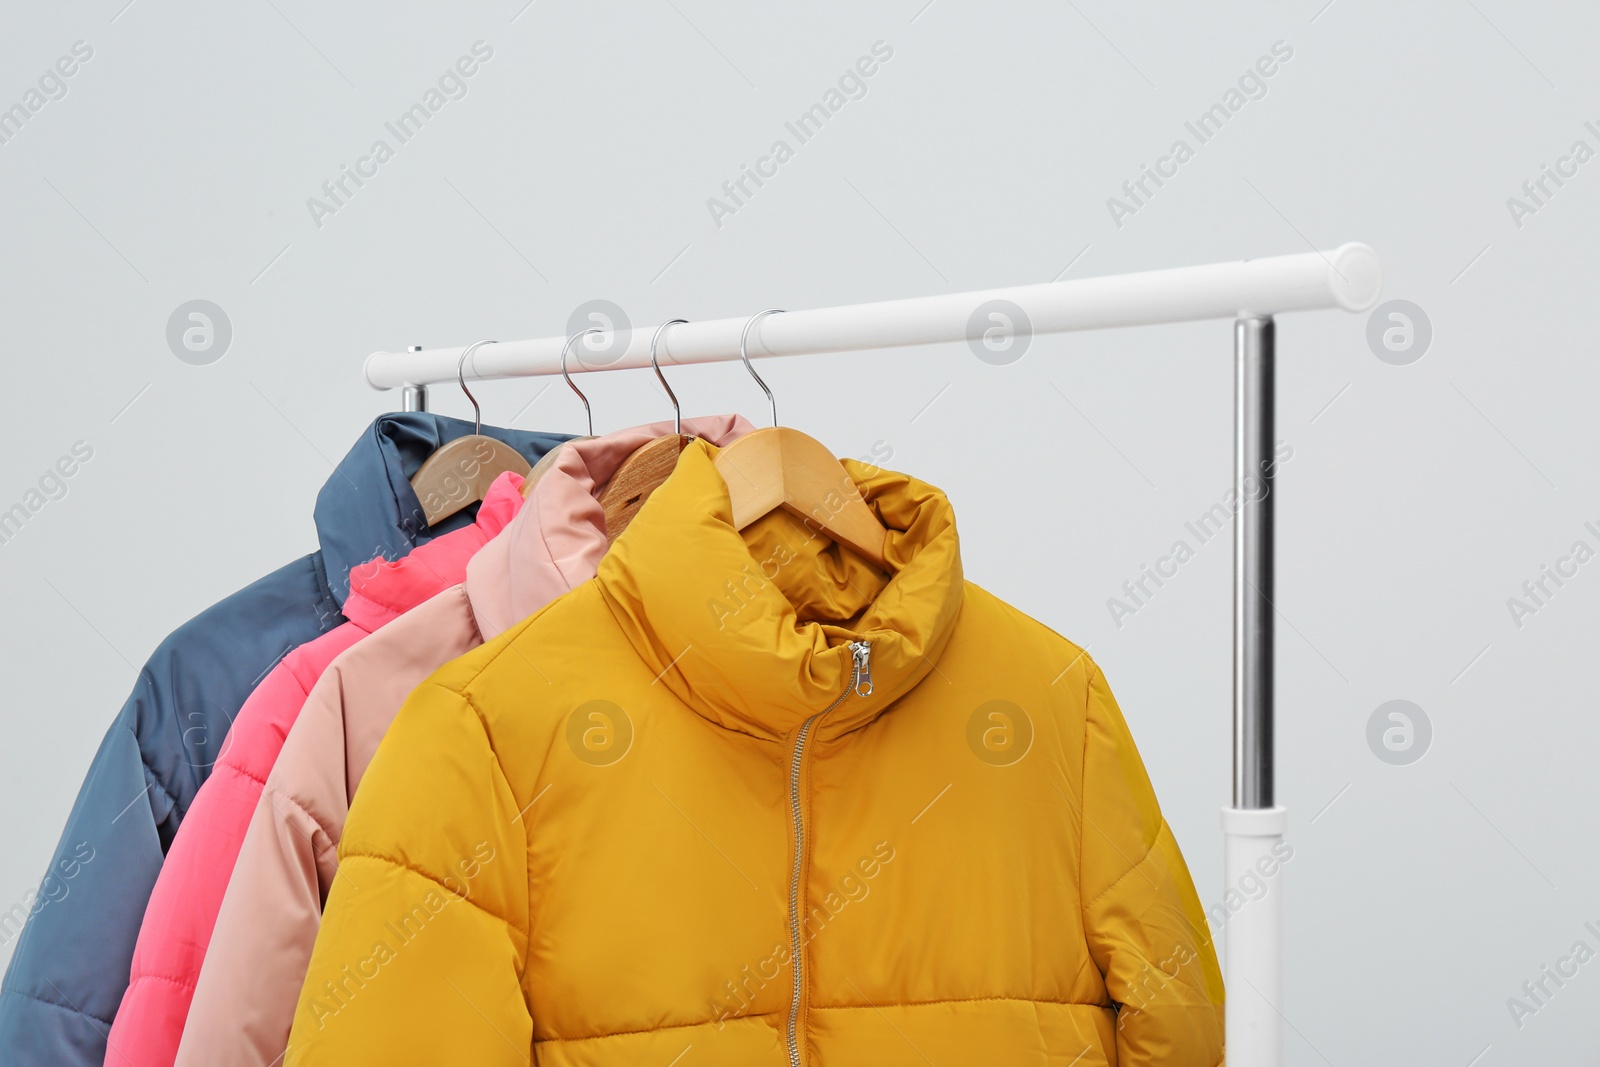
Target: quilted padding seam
1160	831
650	1030
301	671
69	1009
828	1007
181	983
963	1000
425	876
270	790
459	687
526	929
243	772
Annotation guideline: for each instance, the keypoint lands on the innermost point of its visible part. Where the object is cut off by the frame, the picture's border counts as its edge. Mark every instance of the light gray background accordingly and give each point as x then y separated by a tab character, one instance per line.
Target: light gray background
1418	499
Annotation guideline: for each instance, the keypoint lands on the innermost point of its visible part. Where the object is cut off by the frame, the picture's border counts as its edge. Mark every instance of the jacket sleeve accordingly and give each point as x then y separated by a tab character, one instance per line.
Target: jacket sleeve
244	1001
424	939
178	920
70	968
1146	929
67	974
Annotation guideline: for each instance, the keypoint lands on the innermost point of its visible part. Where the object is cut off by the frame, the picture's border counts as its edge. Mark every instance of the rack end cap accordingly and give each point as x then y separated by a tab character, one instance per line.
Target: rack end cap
1355	276
366	372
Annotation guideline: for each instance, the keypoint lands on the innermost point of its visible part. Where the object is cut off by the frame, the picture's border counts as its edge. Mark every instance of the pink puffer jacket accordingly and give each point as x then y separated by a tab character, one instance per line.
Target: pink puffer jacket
178	921
261	948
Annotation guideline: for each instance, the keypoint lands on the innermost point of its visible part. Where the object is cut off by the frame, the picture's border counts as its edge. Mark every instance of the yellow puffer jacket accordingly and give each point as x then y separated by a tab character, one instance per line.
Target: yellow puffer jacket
684	815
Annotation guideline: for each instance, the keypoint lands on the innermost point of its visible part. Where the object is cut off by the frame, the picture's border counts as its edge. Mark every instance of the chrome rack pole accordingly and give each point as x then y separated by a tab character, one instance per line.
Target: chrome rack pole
414	396
1254	384
1253	827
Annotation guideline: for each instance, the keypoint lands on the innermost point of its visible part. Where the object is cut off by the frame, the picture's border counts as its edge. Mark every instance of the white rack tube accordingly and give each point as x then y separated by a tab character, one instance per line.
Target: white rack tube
1251	292
1346	277
1253	828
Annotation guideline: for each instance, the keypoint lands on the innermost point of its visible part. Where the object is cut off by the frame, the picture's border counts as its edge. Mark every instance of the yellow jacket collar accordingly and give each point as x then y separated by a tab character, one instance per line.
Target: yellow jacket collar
752	629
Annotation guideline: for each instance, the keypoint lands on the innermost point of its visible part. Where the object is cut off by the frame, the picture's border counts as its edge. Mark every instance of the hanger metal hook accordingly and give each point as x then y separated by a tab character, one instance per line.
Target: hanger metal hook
589	414
677	412
461	379
744	354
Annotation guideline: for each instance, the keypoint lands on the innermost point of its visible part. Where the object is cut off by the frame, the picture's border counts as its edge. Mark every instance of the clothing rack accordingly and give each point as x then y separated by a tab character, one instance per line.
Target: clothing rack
1251	292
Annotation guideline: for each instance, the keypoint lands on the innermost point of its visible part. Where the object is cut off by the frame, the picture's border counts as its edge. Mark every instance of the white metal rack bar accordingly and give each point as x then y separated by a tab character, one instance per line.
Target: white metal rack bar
1251	292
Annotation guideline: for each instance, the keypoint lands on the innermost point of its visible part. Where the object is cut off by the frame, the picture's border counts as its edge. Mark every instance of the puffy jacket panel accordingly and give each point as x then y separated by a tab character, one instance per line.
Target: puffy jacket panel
561	853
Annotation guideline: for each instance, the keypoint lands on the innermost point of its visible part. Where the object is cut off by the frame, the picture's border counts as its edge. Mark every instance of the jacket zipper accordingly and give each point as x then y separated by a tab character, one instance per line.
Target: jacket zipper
860	683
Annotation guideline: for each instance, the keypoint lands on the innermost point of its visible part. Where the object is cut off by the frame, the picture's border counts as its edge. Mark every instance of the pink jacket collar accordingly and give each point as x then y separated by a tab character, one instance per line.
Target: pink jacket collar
382	589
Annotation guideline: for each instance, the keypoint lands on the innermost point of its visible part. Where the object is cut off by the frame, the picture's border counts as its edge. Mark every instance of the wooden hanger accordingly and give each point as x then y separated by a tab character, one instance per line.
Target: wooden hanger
639	475
459	473
541	468
548	460
650	464
781	467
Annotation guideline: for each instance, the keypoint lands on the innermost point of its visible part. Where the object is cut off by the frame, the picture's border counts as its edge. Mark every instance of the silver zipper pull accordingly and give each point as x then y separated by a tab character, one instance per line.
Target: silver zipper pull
861	653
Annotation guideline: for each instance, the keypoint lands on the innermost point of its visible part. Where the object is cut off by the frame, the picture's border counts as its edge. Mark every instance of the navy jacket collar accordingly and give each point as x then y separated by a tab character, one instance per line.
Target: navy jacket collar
367	508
